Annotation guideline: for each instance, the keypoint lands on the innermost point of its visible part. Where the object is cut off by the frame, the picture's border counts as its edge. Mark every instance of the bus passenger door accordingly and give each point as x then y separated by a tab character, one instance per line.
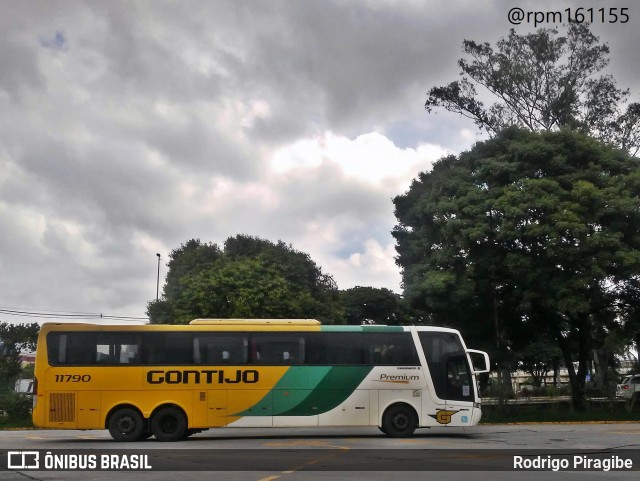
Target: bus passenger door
449	397
459	391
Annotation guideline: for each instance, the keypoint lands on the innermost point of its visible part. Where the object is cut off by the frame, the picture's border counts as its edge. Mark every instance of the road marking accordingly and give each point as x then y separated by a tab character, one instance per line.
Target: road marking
311	462
428	442
321	444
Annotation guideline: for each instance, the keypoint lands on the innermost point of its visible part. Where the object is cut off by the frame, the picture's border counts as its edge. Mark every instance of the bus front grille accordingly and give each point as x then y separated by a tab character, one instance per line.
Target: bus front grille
62	407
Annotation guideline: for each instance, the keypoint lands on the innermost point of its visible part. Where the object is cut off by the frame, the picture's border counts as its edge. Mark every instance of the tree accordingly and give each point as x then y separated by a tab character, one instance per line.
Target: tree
366	305
15	338
537	358
544	82
526	232
185	261
630	305
251	277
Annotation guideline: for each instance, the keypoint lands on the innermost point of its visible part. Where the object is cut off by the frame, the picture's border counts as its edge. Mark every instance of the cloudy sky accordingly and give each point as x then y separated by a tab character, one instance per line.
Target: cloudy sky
128	128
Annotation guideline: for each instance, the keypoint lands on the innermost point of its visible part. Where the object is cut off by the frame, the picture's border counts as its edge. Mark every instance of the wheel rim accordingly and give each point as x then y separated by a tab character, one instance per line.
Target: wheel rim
401	421
169	424
126	425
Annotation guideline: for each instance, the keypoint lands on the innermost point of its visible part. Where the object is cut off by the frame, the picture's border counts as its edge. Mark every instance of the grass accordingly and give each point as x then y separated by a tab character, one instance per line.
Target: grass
16	424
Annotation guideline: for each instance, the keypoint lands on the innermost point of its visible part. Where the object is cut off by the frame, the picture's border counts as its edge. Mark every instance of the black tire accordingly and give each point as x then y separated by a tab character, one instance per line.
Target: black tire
169	424
381	428
126	424
399	421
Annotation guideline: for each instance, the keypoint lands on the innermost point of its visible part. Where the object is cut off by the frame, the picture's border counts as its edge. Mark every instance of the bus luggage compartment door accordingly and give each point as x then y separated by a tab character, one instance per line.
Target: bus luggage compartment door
89	410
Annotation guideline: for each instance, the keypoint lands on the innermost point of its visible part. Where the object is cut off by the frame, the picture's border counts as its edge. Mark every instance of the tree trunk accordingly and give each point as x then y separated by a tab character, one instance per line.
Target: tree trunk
576	379
556	373
504	368
601	358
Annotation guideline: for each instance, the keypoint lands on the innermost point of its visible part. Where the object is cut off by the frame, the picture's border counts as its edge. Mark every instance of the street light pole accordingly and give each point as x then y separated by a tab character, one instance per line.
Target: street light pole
158	281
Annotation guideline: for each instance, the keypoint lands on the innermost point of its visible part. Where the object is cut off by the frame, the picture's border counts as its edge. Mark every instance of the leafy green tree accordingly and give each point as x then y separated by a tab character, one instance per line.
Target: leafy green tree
630	305
366	305
537	357
543	81
187	260
15	338
527	232
250	277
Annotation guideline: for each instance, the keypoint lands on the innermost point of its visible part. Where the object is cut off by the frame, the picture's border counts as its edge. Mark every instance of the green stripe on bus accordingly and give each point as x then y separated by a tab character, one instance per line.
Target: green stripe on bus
309	390
340	329
361	329
383	329
292	388
295	386
334	388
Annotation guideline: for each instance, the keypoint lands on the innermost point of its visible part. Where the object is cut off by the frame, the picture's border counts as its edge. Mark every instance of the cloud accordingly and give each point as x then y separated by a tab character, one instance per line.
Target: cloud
370	158
129	128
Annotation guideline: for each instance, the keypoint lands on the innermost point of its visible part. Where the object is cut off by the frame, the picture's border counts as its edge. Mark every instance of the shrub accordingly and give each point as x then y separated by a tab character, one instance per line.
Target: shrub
15	407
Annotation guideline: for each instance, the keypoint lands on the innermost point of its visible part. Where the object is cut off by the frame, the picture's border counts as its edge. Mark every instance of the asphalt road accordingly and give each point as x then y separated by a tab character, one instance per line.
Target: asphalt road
485	452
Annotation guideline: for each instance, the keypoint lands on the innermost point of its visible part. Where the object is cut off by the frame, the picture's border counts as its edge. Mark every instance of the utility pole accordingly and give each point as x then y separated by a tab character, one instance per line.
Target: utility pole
158	280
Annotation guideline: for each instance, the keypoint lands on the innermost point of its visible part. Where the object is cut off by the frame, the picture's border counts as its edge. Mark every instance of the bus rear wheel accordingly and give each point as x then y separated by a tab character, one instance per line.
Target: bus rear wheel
126	424
169	424
399	421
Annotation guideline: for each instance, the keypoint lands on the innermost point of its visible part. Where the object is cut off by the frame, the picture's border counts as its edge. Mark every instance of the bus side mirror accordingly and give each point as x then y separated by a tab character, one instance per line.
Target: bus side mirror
487	364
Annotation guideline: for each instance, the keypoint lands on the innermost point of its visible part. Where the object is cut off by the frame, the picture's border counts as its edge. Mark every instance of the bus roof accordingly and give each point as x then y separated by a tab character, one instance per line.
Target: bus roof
256	322
242	325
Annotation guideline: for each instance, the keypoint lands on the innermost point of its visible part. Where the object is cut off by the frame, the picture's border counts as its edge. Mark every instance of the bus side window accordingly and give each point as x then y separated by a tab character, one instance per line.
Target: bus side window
113	348
221	348
56	346
168	348
80	348
103	357
326	349
342	350
315	349
129	354
391	349
278	349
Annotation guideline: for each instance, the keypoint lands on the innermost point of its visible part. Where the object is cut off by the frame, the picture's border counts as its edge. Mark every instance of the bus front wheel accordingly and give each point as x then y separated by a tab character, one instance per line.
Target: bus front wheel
126	424
399	421
169	424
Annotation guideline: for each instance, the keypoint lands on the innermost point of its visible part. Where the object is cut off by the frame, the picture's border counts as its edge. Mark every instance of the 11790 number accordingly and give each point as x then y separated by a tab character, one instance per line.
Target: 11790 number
73	377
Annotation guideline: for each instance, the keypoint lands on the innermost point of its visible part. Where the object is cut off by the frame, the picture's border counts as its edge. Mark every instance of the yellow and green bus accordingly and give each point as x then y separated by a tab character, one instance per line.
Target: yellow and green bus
171	381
